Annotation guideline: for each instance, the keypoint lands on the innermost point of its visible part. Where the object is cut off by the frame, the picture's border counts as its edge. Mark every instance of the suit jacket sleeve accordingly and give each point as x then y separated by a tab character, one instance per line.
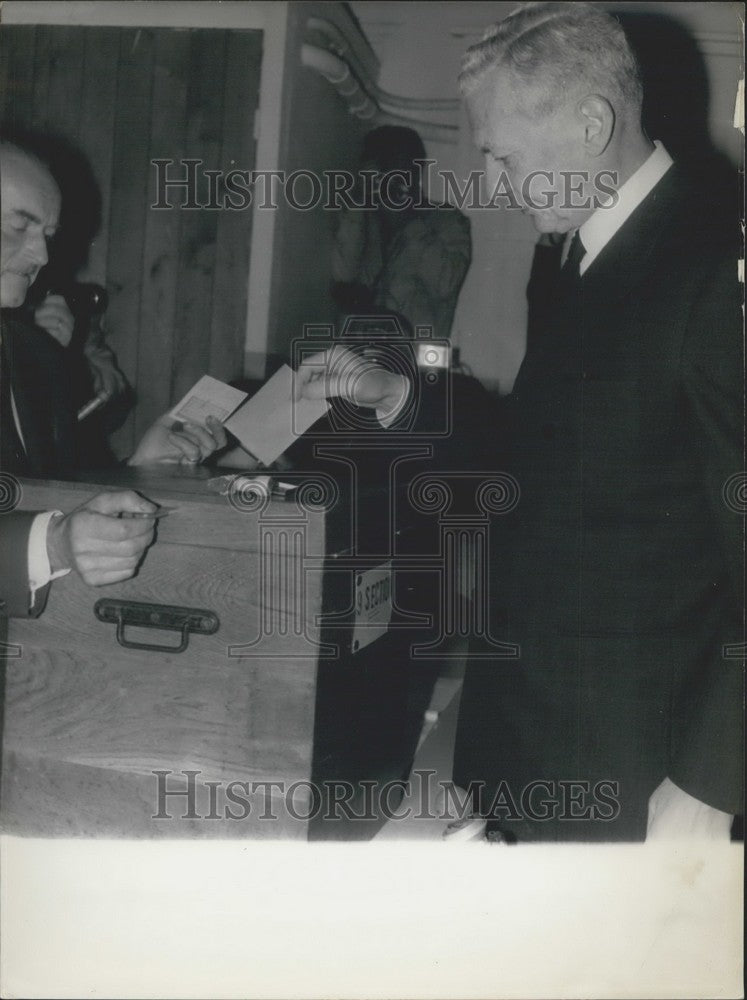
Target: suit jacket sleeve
15	596
465	427
708	762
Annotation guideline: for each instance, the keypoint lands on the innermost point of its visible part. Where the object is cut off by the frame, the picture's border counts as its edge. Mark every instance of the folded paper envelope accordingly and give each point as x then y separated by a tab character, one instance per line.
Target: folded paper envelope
269	422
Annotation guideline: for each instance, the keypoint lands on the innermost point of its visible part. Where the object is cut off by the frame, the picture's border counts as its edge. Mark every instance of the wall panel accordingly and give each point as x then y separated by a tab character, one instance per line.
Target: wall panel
177	279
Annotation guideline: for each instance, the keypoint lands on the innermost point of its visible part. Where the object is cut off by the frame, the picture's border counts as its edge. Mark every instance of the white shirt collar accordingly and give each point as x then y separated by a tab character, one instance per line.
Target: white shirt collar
600	227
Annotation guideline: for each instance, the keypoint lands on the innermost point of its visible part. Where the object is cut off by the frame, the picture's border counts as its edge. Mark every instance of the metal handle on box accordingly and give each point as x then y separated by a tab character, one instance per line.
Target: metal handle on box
168	617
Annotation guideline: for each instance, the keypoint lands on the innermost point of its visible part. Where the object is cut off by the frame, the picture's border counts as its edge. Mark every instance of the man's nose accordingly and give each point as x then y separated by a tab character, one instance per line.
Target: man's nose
499	181
38	251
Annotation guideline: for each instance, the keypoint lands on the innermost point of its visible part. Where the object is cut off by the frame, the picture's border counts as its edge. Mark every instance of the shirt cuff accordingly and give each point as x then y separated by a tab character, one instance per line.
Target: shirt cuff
40	572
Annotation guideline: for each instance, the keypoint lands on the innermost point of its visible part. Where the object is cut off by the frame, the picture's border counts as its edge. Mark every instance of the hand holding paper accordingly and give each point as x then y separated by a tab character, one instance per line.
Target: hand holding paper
184	444
341	372
191	431
269	422
208	397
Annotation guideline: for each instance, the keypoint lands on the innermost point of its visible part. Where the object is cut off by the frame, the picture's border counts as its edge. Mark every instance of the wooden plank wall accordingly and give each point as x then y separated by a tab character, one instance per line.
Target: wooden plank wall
177	279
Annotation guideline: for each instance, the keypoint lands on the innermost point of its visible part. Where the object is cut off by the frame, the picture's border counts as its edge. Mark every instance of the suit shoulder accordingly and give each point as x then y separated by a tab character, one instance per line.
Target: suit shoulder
705	214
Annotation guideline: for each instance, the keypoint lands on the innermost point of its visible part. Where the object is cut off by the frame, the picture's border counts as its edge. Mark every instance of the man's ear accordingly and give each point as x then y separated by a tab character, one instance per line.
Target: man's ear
598	121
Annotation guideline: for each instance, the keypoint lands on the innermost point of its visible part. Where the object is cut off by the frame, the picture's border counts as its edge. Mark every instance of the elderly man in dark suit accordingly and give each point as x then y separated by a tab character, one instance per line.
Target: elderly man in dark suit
619	571
620	576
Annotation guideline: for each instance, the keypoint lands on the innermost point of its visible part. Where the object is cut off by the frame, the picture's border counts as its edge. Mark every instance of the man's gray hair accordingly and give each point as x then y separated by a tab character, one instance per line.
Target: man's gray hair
553	51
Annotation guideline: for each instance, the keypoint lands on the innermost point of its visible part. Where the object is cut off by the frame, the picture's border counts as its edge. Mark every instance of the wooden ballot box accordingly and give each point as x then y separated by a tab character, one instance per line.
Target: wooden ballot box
247	682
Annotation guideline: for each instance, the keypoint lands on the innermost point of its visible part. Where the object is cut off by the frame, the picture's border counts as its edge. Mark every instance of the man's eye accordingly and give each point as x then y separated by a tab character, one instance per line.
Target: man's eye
19	226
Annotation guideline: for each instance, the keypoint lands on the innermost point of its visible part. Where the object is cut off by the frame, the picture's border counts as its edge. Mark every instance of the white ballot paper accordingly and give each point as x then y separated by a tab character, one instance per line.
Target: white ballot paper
271	420
208	397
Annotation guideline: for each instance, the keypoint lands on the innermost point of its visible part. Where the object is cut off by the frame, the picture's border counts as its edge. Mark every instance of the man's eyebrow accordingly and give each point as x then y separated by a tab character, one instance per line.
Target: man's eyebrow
30	217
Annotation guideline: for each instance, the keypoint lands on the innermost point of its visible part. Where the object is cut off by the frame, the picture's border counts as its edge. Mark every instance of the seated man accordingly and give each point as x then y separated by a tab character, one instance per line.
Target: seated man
95	540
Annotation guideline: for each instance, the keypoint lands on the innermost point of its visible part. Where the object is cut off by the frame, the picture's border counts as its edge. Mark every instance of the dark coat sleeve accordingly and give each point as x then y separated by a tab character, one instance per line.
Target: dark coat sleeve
14	581
708	759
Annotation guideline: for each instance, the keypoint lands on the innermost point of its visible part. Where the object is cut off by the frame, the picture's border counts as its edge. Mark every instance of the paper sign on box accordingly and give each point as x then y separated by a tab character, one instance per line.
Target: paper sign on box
269	422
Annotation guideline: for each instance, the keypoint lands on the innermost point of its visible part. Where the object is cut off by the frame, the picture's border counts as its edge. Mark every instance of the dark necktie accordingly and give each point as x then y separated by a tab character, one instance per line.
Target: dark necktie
576	252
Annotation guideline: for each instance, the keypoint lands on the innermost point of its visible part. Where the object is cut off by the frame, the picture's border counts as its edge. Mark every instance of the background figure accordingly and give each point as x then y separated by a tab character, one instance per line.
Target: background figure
410	261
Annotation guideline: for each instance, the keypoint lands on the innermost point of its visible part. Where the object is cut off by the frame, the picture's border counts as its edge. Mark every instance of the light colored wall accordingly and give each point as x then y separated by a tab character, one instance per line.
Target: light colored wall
318	134
419	46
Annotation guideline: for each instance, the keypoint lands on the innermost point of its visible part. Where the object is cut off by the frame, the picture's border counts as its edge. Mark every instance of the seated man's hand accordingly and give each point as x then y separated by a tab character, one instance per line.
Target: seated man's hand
108	380
99	544
341	372
238	458
183	443
54	316
674	814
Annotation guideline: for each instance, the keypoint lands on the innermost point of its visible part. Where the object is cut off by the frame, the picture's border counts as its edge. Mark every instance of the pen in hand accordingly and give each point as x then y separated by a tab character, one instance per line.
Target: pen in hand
160	512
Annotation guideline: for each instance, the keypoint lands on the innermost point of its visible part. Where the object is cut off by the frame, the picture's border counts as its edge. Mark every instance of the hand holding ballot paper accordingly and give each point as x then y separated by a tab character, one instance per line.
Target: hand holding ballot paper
338	371
191	431
270	421
291	402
